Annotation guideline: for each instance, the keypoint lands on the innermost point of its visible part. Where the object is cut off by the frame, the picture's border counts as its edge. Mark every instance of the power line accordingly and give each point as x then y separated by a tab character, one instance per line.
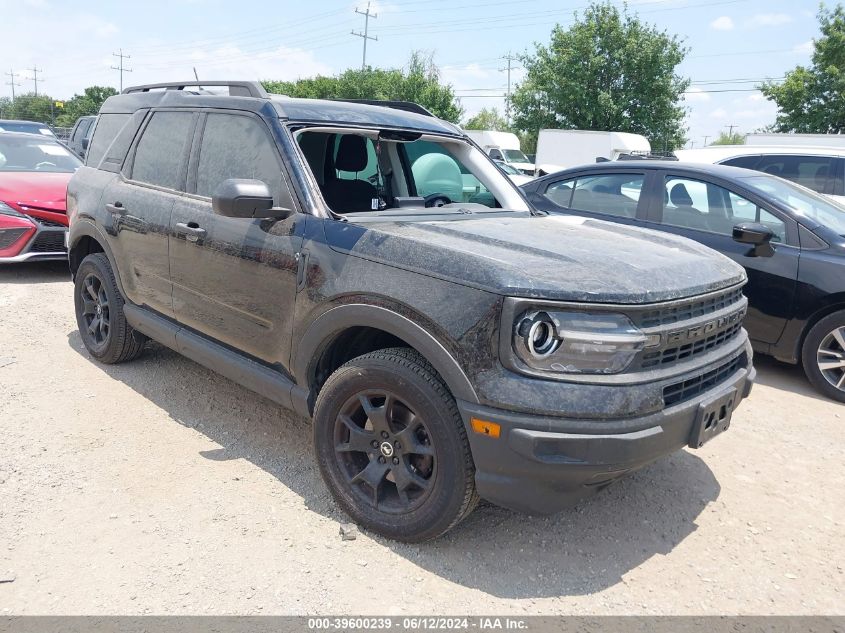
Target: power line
12	74
365	35
120	67
35	70
510	58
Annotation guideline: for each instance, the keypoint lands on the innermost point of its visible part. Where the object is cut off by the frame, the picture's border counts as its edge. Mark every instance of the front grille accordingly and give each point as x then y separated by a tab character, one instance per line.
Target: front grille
690	350
690	310
49	223
10	236
49	242
688	389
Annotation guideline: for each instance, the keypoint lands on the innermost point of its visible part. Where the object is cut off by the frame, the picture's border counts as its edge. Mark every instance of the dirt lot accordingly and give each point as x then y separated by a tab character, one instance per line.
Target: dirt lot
159	487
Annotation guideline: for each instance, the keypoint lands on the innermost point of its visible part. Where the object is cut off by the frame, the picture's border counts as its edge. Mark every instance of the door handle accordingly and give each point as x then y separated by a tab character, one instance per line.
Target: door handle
191	231
117	208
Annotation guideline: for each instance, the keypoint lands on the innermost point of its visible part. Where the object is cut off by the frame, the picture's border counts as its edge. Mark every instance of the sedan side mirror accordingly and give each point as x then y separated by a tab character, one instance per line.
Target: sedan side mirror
757	235
242	198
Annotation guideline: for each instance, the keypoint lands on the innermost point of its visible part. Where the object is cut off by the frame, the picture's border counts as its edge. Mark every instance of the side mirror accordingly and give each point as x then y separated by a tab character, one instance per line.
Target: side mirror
242	198
757	235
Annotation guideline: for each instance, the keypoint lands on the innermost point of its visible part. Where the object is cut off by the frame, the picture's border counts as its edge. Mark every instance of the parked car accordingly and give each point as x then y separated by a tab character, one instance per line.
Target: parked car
80	135
444	350
27	127
34	172
516	176
801	140
821	169
503	147
562	149
789	239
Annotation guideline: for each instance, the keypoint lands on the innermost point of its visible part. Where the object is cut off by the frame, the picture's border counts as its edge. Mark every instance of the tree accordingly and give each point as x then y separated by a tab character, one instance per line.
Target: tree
29	107
812	99
608	71
87	103
733	138
419	81
487	119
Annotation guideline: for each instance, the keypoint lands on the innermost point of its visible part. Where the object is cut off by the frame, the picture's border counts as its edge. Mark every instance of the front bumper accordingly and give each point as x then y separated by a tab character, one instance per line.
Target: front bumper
47	243
541	464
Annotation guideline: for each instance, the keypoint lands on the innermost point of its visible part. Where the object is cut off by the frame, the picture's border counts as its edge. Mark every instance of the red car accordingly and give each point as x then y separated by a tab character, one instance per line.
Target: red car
34	172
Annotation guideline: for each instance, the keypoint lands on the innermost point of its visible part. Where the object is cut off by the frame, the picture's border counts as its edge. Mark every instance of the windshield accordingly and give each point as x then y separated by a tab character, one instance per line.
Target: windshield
28	128
802	200
515	156
369	171
507	168
33	153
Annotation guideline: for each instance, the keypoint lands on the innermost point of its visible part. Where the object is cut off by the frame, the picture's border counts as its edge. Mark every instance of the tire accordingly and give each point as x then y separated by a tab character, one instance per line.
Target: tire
823	356
99	313
392	447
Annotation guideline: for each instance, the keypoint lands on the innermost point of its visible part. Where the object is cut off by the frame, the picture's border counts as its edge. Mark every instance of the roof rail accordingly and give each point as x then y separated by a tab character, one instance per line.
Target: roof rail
236	88
407	106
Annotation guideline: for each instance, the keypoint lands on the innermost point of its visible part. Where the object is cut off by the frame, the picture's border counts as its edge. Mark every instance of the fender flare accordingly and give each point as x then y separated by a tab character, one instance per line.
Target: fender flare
334	321
85	228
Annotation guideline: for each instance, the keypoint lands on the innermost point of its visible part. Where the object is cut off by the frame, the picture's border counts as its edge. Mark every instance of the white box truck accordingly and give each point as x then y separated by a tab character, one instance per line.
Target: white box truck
503	147
562	149
800	140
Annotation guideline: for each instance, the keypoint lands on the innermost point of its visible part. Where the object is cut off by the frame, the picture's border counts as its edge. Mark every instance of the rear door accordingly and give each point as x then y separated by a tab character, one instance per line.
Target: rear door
707	212
139	203
234	279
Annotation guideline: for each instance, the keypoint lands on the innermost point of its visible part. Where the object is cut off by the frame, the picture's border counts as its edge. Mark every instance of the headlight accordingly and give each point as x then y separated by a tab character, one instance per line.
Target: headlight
576	342
5	209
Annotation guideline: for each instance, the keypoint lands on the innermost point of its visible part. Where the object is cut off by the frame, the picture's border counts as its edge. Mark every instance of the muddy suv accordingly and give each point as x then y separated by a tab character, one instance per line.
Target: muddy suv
368	266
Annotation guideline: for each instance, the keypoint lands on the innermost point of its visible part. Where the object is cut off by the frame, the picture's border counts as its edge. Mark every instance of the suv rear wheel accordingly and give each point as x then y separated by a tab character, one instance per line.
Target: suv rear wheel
99	313
823	356
392	447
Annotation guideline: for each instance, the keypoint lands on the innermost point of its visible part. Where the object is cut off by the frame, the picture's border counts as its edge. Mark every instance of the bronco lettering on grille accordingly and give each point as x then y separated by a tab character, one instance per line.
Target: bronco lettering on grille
704	329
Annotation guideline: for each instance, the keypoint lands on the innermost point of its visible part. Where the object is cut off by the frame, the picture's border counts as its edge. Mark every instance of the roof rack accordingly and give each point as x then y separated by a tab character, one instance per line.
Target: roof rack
407	106
236	88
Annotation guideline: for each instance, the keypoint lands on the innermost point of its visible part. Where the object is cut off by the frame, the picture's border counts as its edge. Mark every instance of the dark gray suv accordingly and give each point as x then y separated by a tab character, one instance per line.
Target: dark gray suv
366	265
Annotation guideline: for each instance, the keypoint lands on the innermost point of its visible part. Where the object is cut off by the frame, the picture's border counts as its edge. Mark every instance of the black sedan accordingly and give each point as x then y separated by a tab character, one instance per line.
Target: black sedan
790	240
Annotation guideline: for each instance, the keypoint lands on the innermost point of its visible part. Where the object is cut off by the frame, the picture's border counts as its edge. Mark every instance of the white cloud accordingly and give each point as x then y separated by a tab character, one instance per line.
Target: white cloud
806	48
722	23
770	19
718	113
696	94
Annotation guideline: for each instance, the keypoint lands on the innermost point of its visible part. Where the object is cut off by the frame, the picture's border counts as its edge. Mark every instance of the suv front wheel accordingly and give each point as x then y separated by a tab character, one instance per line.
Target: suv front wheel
823	356
99	313
392	447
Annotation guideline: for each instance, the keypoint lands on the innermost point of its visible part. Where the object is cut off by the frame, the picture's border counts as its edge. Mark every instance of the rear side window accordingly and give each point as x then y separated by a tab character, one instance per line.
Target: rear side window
235	146
814	172
108	125
609	194
746	162
161	150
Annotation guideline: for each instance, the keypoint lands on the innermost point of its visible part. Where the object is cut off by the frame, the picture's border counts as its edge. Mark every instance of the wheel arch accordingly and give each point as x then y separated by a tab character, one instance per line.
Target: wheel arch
837	304
347	331
86	238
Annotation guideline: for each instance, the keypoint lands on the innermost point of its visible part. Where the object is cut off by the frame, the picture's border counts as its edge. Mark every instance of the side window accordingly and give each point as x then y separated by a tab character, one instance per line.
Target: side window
235	146
496	155
694	204
160	152
609	194
560	192
814	172
108	125
746	162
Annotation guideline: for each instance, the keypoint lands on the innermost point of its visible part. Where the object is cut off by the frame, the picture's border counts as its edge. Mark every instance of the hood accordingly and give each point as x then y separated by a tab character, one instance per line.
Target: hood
38	189
564	258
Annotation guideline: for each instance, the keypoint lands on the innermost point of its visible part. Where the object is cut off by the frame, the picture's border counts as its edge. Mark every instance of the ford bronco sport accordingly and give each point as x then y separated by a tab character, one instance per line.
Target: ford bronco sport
368	266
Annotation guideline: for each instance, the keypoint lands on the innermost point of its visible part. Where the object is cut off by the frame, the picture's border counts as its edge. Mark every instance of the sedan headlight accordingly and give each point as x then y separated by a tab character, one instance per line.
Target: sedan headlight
576	342
5	209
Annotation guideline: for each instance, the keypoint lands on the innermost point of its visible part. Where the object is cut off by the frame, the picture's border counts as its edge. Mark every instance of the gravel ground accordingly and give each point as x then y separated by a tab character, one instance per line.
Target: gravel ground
160	487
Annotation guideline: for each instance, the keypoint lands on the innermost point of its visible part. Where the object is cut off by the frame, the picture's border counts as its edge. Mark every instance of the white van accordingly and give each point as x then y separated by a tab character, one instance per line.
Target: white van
562	149
503	147
803	140
821	169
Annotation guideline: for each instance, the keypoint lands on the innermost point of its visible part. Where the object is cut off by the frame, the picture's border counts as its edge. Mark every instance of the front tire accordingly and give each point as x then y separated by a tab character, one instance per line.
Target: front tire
392	447
99	313
823	356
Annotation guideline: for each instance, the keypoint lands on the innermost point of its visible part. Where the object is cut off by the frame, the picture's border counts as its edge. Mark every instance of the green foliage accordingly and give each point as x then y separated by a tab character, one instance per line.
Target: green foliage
87	103
608	71
811	100
28	107
418	81
736	138
487	119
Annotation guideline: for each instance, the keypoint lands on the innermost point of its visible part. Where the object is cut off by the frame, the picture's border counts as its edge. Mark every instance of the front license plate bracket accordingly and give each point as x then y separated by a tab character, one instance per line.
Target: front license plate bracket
713	418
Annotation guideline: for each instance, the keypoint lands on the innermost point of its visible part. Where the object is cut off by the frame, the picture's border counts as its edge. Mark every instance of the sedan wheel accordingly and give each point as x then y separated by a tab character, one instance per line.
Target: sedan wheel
831	358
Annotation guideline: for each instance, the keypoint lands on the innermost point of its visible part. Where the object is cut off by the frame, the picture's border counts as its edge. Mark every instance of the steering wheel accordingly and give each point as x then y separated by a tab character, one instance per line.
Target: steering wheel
437	200
44	164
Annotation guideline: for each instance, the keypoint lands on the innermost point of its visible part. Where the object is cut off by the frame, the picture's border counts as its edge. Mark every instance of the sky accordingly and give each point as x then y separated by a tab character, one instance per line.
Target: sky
734	44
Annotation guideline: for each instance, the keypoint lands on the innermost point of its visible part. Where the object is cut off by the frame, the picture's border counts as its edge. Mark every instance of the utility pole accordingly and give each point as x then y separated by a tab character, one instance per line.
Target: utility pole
510	59
120	67
705	140
12	74
366	34
34	77
731	129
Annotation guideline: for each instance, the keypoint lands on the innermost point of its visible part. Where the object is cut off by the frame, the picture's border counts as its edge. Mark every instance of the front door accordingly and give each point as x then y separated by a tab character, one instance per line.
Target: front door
234	279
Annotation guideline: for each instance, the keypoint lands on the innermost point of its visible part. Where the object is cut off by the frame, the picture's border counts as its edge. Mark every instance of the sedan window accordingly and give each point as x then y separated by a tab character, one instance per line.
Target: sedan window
814	172
609	194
